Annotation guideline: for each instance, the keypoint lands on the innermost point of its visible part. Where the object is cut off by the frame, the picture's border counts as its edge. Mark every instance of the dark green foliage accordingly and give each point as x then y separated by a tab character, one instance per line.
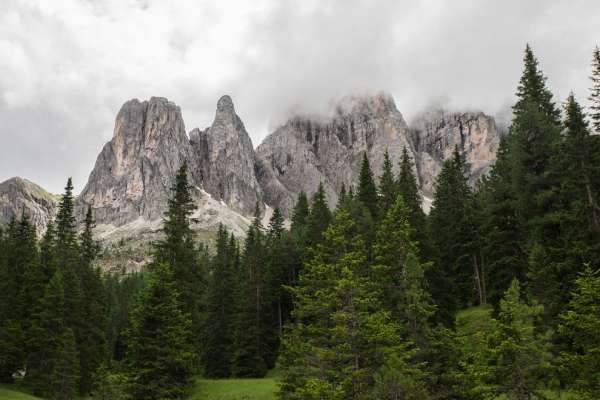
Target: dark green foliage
160	351
65	374
53	363
218	330
388	188
252	350
319	217
409	189
179	250
367	190
451	276
580	326
340	336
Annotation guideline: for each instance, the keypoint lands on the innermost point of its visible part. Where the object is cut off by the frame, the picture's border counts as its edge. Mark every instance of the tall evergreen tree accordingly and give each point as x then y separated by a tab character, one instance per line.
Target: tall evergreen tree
367	190
53	364
340	337
93	341
218	330
319	217
160	351
451	230
179	250
252	350
409	189
388	188
595	90
580	325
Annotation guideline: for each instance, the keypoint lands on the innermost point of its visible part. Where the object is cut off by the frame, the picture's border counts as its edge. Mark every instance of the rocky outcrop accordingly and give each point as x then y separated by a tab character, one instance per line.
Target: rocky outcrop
307	150
18	195
226	160
133	174
436	133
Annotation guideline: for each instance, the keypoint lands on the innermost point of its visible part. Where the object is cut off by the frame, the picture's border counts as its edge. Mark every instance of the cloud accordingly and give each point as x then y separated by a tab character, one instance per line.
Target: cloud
66	66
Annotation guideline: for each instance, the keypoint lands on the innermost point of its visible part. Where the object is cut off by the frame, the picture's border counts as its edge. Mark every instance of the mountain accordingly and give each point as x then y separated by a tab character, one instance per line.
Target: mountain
19	195
307	150
436	133
130	183
226	159
129	186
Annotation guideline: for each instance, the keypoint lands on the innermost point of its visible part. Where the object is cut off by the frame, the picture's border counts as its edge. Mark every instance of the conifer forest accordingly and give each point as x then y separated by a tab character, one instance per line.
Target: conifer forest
492	294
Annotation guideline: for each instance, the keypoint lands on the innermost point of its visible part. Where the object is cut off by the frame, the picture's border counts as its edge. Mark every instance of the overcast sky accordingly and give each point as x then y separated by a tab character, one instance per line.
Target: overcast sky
66	66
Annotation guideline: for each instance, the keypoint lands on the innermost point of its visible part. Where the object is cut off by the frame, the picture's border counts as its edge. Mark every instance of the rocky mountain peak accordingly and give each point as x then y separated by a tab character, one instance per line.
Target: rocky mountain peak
226	159
19	195
307	150
134	171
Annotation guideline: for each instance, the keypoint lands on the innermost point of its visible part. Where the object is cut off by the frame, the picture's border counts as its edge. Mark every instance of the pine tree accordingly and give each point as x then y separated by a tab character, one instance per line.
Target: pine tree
521	354
451	276
52	352
391	250
409	189
280	270
93	340
595	89
580	325
388	187
160	351
340	336
65	375
218	331
367	190
178	248
319	217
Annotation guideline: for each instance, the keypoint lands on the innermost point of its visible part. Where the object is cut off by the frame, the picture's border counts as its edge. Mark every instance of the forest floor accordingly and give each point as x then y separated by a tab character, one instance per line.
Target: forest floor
205	389
235	389
7	393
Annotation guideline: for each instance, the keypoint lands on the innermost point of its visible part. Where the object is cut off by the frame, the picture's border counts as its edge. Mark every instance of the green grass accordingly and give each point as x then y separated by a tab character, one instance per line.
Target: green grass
235	389
8	393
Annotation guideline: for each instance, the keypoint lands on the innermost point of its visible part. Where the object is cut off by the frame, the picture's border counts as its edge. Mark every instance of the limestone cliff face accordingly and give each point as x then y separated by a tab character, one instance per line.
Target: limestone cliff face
308	150
436	133
134	171
18	195
226	160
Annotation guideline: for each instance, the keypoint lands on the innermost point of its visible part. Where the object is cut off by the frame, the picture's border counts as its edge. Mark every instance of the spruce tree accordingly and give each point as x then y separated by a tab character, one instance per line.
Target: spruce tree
218	330
367	190
252	350
280	271
93	340
52	351
451	276
340	336
179	250
409	189
319	217
160	352
388	188
580	326
521	354
595	91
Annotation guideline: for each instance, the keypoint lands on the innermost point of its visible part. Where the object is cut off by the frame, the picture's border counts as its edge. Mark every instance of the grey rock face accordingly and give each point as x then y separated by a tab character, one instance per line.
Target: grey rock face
309	150
134	172
436	133
226	159
18	195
